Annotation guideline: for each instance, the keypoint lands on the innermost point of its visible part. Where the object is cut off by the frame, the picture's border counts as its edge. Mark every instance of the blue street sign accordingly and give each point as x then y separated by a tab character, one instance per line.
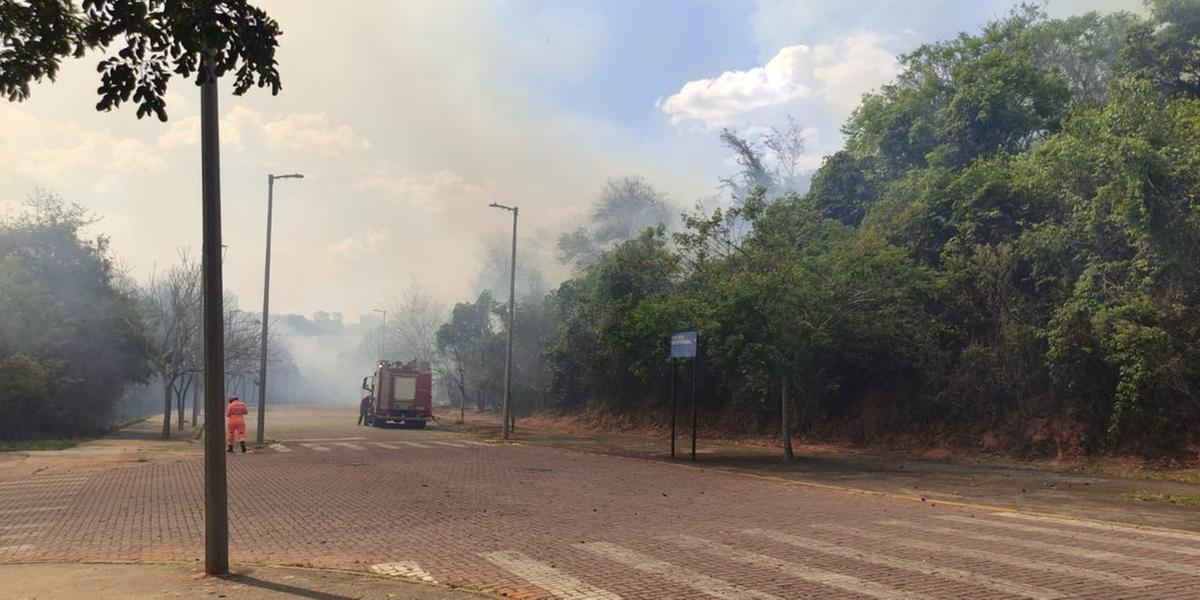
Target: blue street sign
683	345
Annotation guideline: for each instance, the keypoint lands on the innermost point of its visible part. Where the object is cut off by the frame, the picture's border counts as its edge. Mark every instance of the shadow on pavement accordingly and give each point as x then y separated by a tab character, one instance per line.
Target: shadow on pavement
284	588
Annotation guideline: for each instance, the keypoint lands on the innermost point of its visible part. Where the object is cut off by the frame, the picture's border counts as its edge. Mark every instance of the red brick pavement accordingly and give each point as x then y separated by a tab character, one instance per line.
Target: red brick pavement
443	507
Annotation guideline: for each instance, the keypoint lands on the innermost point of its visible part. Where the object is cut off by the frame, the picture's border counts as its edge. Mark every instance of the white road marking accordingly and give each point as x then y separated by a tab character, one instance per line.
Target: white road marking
706	584
474	443
1044	566
349	445
24	526
342	439
839	581
316	447
1150	563
280	448
15	511
451	444
1175	535
1077	535
414	444
406	569
17	548
384	445
545	576
913	566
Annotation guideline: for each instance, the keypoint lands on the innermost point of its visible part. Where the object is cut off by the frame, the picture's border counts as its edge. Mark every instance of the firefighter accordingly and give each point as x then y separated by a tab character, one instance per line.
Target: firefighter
236	416
364	407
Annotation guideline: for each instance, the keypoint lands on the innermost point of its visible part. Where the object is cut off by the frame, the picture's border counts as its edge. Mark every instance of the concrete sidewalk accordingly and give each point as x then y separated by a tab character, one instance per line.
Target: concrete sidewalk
136	581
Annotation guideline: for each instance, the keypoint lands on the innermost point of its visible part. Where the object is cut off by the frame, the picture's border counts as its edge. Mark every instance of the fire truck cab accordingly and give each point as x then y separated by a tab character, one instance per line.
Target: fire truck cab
400	393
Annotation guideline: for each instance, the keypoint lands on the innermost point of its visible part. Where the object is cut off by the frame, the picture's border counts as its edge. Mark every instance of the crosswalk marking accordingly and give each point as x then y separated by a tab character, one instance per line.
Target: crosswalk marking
547	577
340	439
1175	535
406	569
338	443
904	564
1091	537
792	569
17	511
1151	563
706	584
1044	566
17	548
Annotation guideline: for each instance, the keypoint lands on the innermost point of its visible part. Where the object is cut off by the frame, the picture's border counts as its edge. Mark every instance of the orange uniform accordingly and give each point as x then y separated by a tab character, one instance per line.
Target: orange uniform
236	418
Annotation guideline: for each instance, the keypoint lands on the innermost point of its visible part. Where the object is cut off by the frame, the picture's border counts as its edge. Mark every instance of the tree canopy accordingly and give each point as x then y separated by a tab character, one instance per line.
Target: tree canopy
1005	244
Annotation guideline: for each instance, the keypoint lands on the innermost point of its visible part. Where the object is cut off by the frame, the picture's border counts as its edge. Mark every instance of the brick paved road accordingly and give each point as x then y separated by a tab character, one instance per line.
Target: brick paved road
541	523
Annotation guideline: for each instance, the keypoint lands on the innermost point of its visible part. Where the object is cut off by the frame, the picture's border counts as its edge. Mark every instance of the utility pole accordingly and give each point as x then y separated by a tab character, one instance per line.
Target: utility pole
262	357
216	500
512	292
382	334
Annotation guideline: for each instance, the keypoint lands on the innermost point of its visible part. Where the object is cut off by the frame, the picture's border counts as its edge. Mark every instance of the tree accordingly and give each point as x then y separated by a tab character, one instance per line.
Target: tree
466	338
772	161
70	339
161	39
413	324
625	207
207	38
171	305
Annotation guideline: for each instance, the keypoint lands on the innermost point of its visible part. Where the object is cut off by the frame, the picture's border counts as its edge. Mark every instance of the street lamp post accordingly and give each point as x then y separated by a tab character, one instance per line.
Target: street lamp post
262	357
216	500
512	288
382	334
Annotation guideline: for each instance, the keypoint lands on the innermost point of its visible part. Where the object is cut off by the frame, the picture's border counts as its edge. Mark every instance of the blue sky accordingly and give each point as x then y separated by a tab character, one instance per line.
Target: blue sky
408	118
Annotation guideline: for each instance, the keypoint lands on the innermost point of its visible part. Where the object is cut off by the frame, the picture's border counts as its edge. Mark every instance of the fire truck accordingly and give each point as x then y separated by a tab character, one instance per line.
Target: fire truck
400	394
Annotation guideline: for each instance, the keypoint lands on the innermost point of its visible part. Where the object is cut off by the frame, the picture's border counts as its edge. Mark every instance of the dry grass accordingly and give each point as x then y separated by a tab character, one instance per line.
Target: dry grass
1180	499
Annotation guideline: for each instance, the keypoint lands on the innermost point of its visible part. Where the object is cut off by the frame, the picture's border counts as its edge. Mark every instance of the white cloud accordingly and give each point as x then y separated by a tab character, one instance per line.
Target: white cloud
182	133
133	155
355	247
828	79
312	132
431	192
299	131
49	150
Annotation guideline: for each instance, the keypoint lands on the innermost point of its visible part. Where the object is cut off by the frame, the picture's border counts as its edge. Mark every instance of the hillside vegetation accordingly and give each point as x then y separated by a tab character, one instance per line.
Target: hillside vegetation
1004	251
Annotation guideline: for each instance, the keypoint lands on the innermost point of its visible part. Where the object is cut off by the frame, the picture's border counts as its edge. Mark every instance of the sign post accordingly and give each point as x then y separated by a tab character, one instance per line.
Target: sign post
684	345
671	364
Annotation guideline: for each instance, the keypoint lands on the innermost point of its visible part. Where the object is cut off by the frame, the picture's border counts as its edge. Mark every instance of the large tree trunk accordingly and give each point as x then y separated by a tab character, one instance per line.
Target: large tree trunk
167	397
786	418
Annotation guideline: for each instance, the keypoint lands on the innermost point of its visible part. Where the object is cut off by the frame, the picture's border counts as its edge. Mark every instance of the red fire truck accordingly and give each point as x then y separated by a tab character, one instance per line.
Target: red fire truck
400	393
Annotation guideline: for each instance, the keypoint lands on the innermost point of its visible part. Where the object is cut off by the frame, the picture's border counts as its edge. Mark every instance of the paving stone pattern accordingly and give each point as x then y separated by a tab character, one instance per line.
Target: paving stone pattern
541	523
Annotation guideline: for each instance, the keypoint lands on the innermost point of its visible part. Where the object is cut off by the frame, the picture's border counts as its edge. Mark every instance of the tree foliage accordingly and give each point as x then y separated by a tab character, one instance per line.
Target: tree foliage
70	336
152	39
1008	238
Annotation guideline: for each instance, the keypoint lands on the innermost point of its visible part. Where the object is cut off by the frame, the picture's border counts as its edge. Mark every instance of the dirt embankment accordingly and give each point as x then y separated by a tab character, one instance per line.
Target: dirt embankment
1038	440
